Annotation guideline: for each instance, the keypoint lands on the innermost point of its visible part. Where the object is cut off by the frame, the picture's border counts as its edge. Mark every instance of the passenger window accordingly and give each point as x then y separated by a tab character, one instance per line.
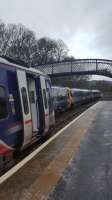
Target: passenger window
25	100
3	103
45	98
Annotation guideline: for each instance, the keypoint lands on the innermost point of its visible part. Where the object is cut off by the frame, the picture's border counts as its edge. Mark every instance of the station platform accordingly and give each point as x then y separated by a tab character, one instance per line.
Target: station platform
76	164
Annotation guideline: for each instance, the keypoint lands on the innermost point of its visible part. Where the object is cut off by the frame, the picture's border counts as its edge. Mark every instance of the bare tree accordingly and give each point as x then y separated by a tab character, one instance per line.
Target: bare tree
2	37
51	50
61	50
46	50
18	42
21	43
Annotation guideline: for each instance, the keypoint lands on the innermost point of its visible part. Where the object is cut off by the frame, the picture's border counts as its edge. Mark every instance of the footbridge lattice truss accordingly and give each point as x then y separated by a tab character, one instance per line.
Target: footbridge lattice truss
78	67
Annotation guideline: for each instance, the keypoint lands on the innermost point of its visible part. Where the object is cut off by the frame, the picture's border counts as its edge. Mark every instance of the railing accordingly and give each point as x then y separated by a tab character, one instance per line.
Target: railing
78	67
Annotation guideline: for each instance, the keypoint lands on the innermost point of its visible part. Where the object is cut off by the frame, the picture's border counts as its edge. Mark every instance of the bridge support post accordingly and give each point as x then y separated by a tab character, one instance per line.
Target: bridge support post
52	68
71	66
96	65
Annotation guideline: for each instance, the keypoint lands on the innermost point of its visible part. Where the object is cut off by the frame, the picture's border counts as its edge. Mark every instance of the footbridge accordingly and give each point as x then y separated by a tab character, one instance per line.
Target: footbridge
78	67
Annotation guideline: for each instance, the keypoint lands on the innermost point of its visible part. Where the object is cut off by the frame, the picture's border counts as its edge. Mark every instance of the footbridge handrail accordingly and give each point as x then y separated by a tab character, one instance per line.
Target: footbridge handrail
78	66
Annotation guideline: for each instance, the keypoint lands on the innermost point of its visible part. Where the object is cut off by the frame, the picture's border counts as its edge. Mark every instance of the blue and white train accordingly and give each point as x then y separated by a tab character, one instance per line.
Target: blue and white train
26	106
59	98
66	98
80	96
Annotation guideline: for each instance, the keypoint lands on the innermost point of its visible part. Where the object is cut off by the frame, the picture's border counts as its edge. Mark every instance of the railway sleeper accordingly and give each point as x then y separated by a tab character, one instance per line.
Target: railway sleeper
6	162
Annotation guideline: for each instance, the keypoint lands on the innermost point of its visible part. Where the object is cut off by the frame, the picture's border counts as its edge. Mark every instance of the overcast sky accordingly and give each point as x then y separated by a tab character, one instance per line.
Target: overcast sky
84	25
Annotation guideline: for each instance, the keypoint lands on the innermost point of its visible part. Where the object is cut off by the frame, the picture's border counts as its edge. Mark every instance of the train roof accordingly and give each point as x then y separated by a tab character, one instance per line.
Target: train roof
81	90
58	86
96	91
28	69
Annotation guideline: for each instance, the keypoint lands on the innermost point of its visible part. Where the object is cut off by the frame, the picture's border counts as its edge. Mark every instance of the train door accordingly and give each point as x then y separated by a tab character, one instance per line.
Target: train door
33	104
45	100
50	102
26	114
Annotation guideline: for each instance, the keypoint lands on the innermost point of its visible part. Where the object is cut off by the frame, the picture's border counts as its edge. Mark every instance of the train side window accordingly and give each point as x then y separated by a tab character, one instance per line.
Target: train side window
45	98
25	100
3	103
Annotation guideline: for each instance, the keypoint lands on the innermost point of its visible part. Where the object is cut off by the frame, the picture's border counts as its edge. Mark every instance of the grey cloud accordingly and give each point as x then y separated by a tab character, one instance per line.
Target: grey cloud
65	19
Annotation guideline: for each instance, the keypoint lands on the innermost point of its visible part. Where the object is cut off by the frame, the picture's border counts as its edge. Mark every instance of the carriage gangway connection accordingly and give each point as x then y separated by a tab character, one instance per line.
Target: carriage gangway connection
74	164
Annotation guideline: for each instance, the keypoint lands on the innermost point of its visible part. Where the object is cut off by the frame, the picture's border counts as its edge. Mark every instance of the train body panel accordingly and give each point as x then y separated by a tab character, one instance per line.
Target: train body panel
77	96
59	98
84	96
10	110
50	102
72	97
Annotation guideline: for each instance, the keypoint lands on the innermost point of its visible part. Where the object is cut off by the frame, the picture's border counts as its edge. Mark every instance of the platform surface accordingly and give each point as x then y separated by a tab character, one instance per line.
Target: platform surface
89	174
76	165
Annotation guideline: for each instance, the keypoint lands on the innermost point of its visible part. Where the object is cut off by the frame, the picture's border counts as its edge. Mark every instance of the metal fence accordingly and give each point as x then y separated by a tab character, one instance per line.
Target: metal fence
78	67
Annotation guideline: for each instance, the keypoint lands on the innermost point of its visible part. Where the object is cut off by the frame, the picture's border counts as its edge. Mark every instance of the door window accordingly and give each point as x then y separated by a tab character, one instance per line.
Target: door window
3	103
25	100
